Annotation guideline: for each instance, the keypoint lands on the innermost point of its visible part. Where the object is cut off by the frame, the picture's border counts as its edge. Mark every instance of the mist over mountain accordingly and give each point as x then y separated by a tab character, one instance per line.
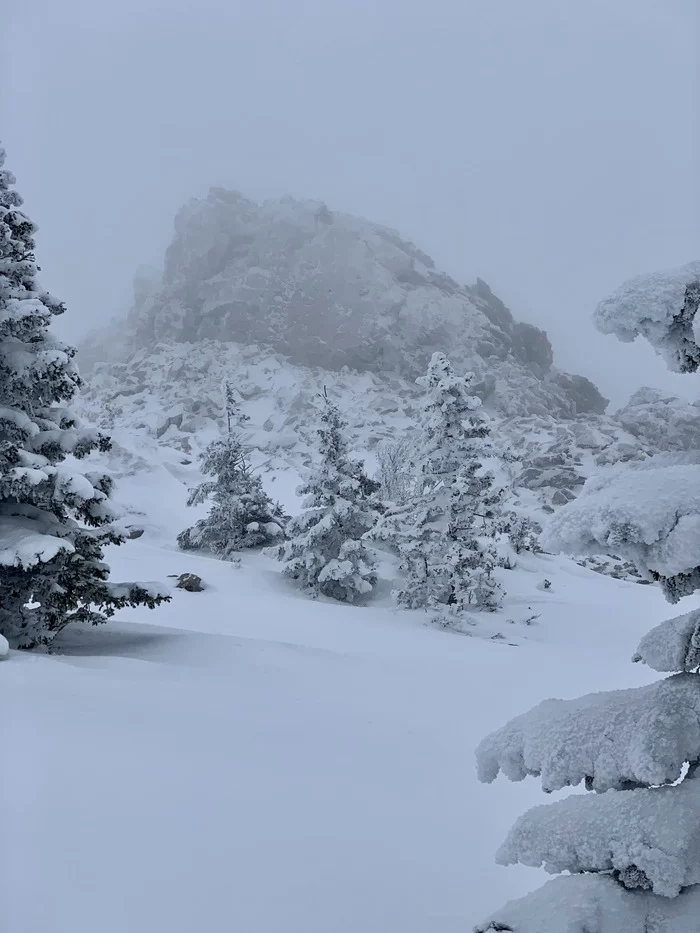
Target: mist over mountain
330	290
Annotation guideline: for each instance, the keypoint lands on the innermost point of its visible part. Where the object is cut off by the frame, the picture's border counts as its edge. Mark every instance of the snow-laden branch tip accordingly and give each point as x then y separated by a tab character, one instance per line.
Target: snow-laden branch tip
609	740
672	646
649	513
649	837
661	307
595	904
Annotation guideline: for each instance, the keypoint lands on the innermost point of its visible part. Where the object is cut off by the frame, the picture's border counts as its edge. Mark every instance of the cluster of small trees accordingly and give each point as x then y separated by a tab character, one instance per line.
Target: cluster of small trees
435	505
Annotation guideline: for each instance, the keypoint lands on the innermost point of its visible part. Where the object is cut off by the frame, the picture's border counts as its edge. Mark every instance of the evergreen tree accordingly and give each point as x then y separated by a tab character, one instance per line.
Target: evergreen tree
632	848
54	520
235	418
396	473
473	534
523	533
242	515
447	533
325	551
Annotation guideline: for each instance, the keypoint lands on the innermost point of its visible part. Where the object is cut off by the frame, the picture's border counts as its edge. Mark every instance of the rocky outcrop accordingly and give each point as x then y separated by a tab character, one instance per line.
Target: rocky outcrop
330	290
662	420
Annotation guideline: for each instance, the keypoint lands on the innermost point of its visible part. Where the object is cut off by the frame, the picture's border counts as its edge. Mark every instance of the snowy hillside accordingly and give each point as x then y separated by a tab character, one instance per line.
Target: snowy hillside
286	298
251	759
163	405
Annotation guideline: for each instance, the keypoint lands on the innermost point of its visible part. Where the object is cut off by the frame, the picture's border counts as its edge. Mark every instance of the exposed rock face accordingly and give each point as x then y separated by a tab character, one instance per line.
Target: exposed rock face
331	290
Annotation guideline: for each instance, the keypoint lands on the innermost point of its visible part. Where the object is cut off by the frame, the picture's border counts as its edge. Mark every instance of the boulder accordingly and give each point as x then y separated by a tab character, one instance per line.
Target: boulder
190	582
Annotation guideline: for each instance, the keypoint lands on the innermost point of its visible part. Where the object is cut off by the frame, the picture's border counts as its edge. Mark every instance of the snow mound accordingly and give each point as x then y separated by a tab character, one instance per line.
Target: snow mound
672	646
640	736
660	306
596	904
651	837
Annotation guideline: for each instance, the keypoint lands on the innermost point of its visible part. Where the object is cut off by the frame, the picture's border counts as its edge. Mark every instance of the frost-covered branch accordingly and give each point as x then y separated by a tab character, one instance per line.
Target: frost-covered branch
649	838
607	740
661	307
649	513
595	904
672	646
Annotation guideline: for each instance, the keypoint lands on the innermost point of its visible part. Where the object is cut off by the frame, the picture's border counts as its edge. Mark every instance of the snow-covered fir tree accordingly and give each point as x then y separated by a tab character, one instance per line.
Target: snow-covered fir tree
472	538
242	515
54	519
396	471
632	848
325	551
235	416
447	534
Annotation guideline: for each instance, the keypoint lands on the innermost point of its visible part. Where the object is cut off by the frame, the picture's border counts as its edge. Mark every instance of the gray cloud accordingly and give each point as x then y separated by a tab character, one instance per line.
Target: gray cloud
549	147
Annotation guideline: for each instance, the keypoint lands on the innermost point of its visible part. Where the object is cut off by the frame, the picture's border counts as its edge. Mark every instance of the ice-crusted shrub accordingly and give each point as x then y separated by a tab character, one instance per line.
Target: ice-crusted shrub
633	846
523	533
55	519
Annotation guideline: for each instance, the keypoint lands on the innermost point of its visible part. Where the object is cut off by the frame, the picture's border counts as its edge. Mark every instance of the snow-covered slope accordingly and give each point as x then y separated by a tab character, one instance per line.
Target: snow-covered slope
247	758
165	403
331	290
286	298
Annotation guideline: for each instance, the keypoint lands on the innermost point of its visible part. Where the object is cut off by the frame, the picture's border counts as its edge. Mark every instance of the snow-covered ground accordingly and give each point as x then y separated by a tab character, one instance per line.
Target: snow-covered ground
247	759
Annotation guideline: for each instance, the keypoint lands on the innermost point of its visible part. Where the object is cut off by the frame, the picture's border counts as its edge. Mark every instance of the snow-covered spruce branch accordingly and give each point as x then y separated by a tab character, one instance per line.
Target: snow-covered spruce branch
633	848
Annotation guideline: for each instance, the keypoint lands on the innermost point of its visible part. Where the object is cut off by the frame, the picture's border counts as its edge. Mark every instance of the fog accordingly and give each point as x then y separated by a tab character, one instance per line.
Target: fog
550	148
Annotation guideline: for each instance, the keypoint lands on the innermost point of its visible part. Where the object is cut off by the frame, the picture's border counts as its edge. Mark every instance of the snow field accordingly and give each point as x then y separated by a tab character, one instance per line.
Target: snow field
246	758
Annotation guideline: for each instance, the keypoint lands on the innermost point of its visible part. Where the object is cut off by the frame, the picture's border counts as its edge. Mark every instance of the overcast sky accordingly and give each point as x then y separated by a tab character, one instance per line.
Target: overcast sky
549	146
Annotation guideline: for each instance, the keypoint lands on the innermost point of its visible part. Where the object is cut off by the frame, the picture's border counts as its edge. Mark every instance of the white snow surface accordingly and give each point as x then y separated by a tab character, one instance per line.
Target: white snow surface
643	735
596	904
246	758
655	830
